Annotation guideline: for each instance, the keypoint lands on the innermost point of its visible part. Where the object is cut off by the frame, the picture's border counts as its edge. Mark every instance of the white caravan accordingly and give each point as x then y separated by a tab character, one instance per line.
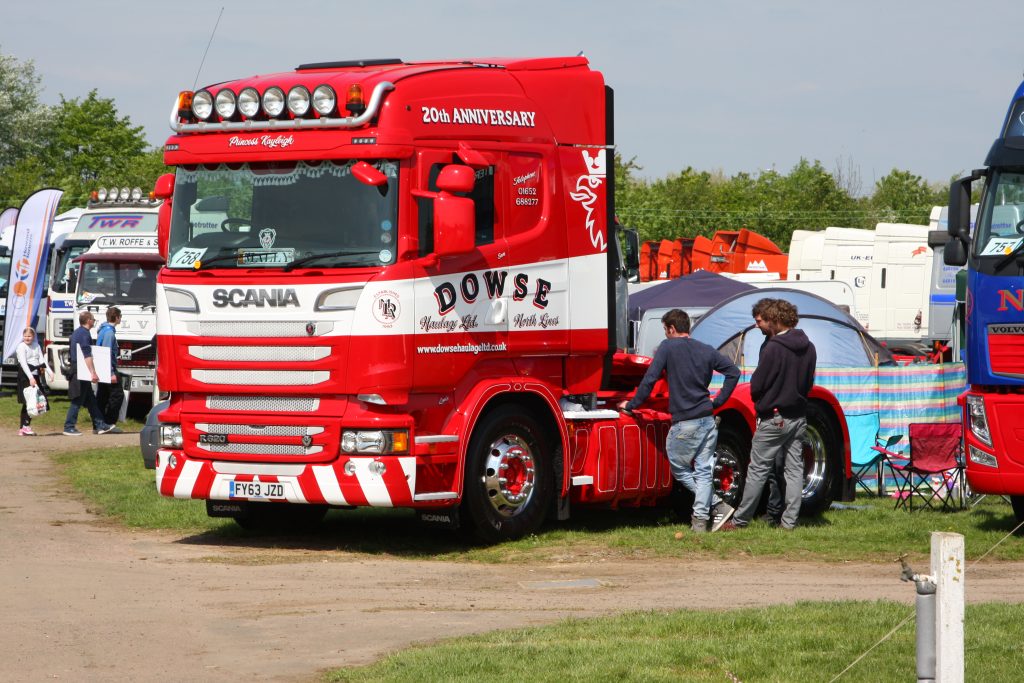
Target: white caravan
847	255
805	247
901	286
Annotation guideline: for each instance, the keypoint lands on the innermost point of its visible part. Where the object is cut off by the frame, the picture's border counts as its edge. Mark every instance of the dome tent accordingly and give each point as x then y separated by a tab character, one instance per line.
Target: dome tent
701	289
838	338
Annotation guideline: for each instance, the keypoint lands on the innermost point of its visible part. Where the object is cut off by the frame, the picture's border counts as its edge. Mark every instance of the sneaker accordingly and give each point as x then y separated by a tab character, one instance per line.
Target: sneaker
109	429
732	526
770	520
722	513
26	431
72	432
698	526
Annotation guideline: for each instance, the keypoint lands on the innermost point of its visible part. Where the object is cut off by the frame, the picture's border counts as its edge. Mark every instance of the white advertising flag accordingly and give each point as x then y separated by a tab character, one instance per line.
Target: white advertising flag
28	264
7	220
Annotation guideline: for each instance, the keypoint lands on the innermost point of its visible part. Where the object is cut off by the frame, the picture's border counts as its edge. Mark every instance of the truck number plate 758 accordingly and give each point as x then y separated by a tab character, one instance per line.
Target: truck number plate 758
256	489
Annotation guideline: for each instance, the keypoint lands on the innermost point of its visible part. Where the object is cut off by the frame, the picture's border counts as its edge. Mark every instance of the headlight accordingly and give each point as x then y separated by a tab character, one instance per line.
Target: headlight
225	103
101	194
980	457
202	105
375	441
170	436
249	102
180	300
978	419
298	100
124	195
273	101
324	100
136	194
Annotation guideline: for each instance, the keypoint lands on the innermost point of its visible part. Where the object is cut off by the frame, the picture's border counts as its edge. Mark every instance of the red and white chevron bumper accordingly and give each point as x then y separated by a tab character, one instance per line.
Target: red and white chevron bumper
381	481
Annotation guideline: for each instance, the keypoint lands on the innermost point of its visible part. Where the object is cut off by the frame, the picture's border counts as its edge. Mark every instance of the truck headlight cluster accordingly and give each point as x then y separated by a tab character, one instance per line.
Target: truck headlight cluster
274	103
170	436
375	441
978	419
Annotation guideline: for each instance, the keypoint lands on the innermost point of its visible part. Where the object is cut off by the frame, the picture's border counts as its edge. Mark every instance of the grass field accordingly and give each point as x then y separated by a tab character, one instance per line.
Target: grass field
116	485
803	642
53	420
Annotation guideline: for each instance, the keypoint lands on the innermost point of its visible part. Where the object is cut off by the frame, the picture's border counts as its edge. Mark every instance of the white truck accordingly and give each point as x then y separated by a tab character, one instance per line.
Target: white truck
121	270
108	214
901	286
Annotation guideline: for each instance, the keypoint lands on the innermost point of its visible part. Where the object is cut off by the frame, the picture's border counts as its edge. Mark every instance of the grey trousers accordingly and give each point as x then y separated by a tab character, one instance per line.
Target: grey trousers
777	447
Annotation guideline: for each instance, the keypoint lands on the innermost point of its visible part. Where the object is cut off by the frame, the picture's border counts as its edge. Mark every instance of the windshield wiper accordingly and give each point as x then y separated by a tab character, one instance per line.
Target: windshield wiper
329	254
1012	256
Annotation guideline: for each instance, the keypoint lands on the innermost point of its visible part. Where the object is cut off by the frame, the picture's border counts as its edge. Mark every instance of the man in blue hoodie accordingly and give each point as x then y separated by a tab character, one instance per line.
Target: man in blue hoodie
688	365
110	396
779	386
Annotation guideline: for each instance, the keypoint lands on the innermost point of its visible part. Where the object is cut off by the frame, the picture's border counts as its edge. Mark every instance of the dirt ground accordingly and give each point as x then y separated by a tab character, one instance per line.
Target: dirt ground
81	599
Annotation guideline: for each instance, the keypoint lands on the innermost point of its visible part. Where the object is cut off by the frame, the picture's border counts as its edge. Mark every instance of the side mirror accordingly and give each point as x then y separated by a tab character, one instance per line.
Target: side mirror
164	187
955	252
454	216
632	249
163	228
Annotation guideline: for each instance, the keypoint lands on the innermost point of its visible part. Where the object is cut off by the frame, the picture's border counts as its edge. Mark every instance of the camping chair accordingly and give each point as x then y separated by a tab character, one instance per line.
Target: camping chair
933	472
868	452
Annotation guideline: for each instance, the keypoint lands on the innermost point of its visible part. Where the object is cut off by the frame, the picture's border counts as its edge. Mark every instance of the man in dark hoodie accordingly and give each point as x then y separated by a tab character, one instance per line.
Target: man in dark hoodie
688	365
779	387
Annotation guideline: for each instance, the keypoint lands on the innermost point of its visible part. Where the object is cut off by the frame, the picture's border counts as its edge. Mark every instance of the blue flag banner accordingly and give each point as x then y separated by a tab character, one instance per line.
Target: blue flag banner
28	264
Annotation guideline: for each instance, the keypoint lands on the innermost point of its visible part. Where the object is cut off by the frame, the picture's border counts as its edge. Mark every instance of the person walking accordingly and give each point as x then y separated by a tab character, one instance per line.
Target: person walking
32	372
109	397
79	391
688	365
779	386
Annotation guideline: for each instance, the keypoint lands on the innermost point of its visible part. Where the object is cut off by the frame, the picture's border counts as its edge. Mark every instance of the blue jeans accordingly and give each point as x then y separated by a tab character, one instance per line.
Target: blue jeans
690	447
88	399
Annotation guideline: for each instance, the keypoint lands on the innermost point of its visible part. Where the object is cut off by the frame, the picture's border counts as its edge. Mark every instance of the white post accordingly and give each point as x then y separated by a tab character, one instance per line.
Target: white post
948	570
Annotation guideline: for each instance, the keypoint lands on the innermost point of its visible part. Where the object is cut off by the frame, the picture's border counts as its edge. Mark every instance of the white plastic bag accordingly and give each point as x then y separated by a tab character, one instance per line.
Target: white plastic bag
31	401
41	405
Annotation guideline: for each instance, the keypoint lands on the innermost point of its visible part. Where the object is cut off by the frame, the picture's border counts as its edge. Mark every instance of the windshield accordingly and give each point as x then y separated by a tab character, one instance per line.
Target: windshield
271	215
117	282
1001	214
65	272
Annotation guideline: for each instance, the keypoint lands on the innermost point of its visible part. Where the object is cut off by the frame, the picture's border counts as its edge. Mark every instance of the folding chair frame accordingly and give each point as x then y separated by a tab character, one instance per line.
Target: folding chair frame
913	482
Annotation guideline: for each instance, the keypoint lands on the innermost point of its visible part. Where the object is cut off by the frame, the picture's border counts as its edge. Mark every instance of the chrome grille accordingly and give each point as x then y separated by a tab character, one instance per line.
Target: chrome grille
262	430
275	378
268	354
258	328
264	404
259	448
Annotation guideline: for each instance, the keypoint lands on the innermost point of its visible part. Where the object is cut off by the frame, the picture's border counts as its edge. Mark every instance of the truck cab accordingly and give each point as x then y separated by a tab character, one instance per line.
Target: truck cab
121	271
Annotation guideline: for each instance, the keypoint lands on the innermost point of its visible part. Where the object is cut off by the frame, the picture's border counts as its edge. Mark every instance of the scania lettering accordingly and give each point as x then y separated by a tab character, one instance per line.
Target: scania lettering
358	309
993	405
239	298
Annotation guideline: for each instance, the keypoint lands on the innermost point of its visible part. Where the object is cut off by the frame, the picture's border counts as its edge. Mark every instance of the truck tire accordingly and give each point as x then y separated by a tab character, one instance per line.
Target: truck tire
509	482
823	460
732	455
280	517
1017	502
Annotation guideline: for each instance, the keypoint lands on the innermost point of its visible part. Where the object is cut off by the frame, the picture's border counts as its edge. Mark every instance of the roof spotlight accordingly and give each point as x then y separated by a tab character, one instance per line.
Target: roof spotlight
225	103
249	102
324	100
101	194
273	101
202	105
298	100
124	194
136	194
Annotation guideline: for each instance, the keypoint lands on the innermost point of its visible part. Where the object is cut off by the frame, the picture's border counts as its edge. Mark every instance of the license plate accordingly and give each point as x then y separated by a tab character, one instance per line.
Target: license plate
213	438
141	383
256	489
11	361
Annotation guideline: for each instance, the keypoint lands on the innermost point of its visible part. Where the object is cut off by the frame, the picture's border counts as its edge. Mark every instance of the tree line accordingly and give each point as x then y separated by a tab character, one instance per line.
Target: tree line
83	143
773	204
77	146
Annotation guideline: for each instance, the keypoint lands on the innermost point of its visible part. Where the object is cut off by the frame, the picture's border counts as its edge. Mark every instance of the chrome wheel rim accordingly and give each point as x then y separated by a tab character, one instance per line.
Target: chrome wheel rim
509	474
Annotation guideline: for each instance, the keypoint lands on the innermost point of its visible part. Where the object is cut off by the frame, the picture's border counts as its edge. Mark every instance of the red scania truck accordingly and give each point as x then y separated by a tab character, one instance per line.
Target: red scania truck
399	284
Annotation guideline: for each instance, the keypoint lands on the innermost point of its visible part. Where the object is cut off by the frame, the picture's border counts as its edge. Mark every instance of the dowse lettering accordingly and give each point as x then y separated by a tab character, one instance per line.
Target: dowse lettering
240	298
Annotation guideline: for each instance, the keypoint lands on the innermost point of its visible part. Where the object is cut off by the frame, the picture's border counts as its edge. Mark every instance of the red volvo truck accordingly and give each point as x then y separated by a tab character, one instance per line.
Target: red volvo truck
399	284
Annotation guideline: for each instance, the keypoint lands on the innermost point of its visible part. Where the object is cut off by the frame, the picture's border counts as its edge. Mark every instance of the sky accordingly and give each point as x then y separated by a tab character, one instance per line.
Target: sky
724	85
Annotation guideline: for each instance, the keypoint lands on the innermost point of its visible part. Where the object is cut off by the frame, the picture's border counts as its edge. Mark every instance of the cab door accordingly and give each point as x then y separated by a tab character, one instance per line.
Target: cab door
461	302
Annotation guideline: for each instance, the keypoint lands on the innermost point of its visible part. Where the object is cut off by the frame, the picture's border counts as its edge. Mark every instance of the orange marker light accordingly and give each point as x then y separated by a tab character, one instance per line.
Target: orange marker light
185	104
399	442
354	101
